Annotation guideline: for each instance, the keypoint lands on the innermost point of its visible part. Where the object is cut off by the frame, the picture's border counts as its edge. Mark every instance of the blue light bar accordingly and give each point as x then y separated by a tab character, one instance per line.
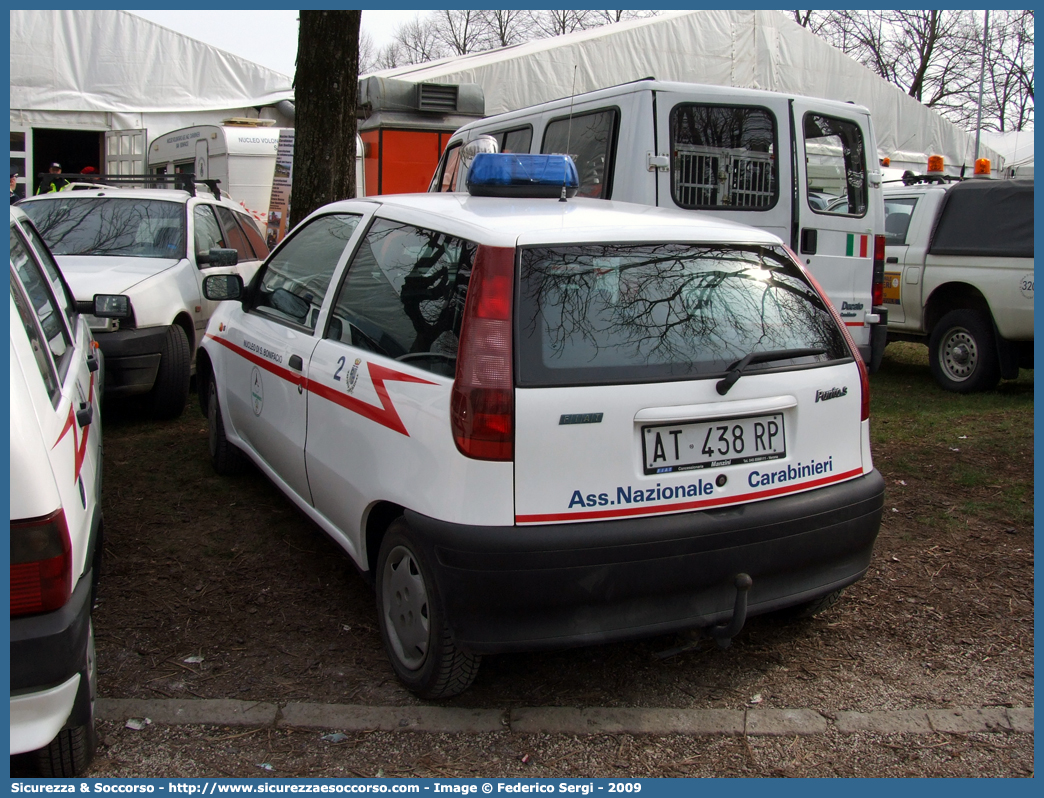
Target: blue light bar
509	174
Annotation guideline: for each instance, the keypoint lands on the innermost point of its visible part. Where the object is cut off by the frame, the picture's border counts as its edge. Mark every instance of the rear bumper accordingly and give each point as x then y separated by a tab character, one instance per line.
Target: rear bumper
538	587
47	663
132	359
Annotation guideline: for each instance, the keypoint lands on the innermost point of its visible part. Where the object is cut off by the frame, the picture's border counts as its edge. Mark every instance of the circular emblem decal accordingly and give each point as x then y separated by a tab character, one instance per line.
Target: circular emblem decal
257	391
1026	286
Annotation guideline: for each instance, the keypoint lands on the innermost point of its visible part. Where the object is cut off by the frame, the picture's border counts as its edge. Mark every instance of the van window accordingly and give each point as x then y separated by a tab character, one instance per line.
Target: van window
723	157
835	163
624	313
517	140
445	178
403	296
293	283
589	139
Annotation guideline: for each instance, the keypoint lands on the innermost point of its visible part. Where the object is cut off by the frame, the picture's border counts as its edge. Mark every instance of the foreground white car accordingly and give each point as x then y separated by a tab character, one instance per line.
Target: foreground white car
541	423
154	246
56	519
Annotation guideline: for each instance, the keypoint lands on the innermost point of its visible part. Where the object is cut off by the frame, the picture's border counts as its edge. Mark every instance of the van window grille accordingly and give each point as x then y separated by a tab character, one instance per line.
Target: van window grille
723	156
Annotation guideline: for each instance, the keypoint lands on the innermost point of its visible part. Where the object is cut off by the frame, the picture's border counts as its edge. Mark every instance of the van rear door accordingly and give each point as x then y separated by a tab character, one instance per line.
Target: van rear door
839	207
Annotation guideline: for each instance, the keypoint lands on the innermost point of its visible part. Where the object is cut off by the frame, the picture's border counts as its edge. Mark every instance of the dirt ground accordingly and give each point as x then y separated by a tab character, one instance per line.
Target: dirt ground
220	588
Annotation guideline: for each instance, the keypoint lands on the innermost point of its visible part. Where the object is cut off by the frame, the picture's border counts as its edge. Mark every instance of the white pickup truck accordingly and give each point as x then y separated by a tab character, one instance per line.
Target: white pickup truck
959	277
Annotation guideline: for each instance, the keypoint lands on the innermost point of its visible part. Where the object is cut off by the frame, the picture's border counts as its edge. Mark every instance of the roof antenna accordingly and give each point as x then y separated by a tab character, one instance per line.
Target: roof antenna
569	131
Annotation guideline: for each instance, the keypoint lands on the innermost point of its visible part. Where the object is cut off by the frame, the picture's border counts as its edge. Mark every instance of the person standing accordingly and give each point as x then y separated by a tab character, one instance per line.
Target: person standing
15	196
52	183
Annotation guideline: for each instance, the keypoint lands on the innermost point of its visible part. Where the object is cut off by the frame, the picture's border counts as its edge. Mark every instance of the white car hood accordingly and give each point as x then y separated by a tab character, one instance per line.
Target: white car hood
88	275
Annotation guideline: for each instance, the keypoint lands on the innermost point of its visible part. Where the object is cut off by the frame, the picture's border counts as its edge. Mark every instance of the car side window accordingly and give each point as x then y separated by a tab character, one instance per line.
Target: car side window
208	231
898	213
589	139
50	266
253	235
235	237
44	307
403	296
446	175
39	346
293	283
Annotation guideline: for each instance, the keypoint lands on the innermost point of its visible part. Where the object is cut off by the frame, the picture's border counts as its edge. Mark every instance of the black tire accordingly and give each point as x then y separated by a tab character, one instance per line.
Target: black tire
962	352
809	609
421	649
70	753
170	392
224	456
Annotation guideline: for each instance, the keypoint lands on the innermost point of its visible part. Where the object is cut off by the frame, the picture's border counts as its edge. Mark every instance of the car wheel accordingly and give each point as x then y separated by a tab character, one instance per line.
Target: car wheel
224	456
963	352
422	650
170	392
70	752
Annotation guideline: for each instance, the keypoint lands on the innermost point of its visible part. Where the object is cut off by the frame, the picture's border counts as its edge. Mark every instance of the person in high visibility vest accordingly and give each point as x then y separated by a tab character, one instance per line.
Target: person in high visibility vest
54	183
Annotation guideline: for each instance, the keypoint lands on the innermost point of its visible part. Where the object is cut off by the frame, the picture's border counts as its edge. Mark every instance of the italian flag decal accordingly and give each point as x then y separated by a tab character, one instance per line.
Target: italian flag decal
854	241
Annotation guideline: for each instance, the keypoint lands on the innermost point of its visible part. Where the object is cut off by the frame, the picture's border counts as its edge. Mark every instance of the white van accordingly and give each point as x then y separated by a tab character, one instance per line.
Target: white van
242	157
779	162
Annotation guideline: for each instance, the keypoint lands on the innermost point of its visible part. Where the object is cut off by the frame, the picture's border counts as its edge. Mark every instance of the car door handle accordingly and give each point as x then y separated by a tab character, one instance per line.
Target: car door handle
809	241
892	259
92	362
85	414
296	363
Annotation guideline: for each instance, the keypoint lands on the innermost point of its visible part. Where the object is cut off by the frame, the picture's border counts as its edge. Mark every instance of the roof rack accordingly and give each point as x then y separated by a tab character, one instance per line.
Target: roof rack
910	179
184	181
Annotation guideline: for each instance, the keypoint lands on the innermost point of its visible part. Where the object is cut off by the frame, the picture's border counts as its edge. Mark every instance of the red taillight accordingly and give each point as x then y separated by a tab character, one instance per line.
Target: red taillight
879	270
41	564
482	405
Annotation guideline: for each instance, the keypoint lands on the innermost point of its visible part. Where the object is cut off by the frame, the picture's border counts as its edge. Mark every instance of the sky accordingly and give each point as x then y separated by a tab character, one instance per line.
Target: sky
265	37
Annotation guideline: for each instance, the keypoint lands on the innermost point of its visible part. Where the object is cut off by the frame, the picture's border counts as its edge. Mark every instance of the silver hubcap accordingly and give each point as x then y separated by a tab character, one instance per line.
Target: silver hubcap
405	599
959	355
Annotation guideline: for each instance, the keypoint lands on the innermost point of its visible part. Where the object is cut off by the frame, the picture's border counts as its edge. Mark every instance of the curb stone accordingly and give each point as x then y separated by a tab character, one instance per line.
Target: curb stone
565	720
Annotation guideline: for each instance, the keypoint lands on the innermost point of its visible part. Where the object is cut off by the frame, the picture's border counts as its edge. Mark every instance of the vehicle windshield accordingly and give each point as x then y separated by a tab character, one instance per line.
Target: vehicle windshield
131	228
613	313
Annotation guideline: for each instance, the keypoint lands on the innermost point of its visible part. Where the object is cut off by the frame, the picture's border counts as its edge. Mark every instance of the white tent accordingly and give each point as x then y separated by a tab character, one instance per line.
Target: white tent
747	49
95	72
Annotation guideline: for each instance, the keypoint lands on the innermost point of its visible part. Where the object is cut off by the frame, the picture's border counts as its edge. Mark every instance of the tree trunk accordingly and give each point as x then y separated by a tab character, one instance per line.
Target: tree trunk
326	89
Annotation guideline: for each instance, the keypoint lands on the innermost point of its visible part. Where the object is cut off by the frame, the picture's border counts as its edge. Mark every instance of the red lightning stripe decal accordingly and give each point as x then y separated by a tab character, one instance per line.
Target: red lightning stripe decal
385	415
79	443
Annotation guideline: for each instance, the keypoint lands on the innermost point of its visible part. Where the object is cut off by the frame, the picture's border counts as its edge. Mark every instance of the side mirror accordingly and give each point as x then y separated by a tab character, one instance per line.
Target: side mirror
221	287
111	306
217	256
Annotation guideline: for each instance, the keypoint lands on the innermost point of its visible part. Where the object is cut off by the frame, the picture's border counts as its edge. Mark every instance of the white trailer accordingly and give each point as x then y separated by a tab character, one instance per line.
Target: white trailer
241	154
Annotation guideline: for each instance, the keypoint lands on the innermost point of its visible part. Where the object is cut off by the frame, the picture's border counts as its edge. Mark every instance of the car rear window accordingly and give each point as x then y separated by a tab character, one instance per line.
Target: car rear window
621	313
131	228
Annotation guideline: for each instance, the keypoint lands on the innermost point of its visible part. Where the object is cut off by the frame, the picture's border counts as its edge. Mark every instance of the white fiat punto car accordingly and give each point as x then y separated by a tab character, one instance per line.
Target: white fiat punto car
540	422
56	518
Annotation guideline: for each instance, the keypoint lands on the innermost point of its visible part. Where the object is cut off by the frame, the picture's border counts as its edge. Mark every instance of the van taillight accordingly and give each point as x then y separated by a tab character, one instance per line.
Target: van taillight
482	405
41	564
879	269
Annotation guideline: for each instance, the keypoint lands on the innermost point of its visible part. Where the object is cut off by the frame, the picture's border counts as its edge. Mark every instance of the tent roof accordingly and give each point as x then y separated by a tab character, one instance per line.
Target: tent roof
745	49
114	61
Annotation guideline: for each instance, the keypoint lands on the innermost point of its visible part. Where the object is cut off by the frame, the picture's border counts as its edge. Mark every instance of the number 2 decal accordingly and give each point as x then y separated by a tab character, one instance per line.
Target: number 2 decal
340	368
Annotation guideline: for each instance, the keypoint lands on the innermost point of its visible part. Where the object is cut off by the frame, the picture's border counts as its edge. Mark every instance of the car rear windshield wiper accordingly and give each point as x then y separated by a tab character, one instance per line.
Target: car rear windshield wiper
735	371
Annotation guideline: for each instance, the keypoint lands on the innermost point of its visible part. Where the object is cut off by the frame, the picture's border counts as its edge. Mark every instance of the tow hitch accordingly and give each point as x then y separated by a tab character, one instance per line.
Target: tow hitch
722	632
